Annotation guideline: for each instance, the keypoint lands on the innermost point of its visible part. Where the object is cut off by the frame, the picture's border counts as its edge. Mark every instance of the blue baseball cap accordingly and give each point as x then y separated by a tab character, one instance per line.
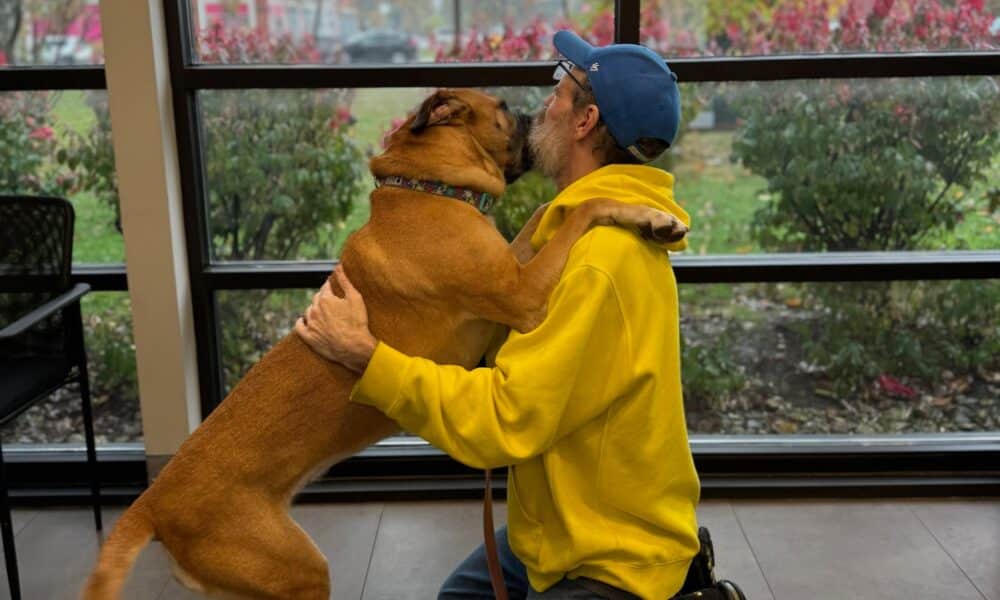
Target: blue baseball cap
635	90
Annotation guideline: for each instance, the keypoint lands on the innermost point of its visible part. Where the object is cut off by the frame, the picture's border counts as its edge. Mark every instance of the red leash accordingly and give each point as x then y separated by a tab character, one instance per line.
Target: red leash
492	558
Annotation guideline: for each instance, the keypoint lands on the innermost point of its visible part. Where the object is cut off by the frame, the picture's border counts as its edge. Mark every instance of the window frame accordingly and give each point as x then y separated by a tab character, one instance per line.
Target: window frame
758	466
716	455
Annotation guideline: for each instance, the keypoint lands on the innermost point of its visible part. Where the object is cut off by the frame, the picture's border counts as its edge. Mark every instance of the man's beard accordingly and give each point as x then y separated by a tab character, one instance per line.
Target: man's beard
549	141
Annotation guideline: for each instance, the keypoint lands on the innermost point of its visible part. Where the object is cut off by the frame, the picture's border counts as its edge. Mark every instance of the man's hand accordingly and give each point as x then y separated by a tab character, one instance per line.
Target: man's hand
337	328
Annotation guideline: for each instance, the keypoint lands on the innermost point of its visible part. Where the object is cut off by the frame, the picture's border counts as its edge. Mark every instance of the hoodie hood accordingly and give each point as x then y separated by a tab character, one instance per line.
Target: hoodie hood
631	184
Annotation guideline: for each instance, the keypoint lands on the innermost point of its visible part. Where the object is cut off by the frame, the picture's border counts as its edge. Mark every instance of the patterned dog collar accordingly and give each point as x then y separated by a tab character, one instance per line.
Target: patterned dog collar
483	201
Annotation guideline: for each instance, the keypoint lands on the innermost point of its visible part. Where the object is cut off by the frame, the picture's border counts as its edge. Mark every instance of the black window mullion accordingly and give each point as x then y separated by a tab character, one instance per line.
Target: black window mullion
689	70
836	66
189	136
206	77
34	79
627	21
774	267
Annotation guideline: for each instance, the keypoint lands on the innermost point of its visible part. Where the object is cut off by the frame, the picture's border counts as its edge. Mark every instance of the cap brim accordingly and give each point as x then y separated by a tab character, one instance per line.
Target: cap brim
572	47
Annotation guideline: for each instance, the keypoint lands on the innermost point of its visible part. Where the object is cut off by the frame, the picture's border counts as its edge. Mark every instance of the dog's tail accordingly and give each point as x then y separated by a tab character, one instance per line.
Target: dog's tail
131	534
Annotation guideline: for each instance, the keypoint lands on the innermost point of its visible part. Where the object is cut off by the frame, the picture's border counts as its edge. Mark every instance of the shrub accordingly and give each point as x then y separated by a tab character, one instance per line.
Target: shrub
851	167
28	145
865	166
912	330
110	348
868	166
710	375
264	316
281	173
520	200
281	170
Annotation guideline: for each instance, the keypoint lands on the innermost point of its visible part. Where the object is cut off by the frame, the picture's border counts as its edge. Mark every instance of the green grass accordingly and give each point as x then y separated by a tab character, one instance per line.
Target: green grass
72	113
96	240
978	227
720	196
375	110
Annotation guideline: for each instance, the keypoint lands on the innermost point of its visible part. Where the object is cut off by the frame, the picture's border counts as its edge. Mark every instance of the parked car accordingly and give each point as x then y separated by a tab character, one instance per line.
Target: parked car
65	50
380	46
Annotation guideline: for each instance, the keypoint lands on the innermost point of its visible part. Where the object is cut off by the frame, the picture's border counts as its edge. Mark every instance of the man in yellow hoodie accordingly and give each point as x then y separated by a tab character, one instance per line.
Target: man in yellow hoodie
586	409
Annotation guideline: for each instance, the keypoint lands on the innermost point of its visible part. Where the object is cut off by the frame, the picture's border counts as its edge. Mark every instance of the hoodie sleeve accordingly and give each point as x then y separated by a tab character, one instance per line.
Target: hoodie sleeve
544	385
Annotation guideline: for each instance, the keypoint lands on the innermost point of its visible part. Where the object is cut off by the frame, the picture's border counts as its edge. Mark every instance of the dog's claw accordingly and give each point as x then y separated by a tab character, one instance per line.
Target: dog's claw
671	231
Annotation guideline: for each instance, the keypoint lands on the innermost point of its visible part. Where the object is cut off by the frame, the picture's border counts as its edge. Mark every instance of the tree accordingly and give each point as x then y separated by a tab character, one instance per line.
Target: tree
10	27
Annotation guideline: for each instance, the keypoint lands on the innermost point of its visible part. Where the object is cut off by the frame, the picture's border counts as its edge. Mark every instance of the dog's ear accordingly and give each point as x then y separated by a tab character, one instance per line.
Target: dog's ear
438	109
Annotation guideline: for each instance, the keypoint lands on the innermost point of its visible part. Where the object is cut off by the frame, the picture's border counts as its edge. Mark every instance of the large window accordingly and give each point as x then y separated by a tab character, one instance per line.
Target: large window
286	174
839	159
57	141
842	358
840	165
845	209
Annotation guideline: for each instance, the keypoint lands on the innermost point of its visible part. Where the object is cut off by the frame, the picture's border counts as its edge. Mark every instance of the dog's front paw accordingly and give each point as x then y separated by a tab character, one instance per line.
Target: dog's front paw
663	227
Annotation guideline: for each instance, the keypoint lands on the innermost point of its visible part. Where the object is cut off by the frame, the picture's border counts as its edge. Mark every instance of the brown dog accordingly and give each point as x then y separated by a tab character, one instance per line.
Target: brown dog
220	506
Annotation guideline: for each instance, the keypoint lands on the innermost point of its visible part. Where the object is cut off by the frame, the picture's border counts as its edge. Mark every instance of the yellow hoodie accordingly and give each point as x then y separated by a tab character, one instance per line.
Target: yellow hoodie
586	408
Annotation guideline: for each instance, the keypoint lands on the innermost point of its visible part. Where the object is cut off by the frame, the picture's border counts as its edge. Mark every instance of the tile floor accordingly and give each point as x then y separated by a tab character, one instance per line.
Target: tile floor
782	550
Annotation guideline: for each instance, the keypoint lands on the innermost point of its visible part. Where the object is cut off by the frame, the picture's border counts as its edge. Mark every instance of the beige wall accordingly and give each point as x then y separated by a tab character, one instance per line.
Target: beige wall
139	94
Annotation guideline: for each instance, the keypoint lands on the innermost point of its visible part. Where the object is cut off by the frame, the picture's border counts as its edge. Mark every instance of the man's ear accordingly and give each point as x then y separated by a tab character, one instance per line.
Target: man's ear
587	121
439	108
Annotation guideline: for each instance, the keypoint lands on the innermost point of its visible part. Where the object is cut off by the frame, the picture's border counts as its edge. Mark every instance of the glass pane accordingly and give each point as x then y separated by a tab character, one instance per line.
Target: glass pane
894	164
717	27
843	358
251	322
287	171
391	31
59	144
50	32
831	358
113	386
855	165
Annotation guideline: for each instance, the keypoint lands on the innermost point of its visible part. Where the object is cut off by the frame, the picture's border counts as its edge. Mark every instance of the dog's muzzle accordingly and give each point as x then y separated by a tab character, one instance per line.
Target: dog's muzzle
523	160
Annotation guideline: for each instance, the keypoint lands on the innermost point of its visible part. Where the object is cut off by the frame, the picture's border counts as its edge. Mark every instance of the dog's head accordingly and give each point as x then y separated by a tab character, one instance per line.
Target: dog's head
500	132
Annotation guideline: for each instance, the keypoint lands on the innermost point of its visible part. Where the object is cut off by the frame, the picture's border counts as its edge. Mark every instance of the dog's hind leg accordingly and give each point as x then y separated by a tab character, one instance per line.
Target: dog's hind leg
267	557
185	578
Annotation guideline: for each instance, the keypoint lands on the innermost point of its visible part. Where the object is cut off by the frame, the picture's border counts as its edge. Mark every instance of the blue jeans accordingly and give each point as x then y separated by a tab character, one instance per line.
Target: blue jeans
471	580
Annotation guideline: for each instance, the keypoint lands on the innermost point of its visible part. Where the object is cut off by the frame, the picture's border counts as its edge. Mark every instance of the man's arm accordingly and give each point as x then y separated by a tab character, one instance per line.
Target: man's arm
544	384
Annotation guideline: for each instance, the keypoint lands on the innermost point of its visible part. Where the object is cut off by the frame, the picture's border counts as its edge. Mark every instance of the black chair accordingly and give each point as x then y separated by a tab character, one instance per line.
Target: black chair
41	340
